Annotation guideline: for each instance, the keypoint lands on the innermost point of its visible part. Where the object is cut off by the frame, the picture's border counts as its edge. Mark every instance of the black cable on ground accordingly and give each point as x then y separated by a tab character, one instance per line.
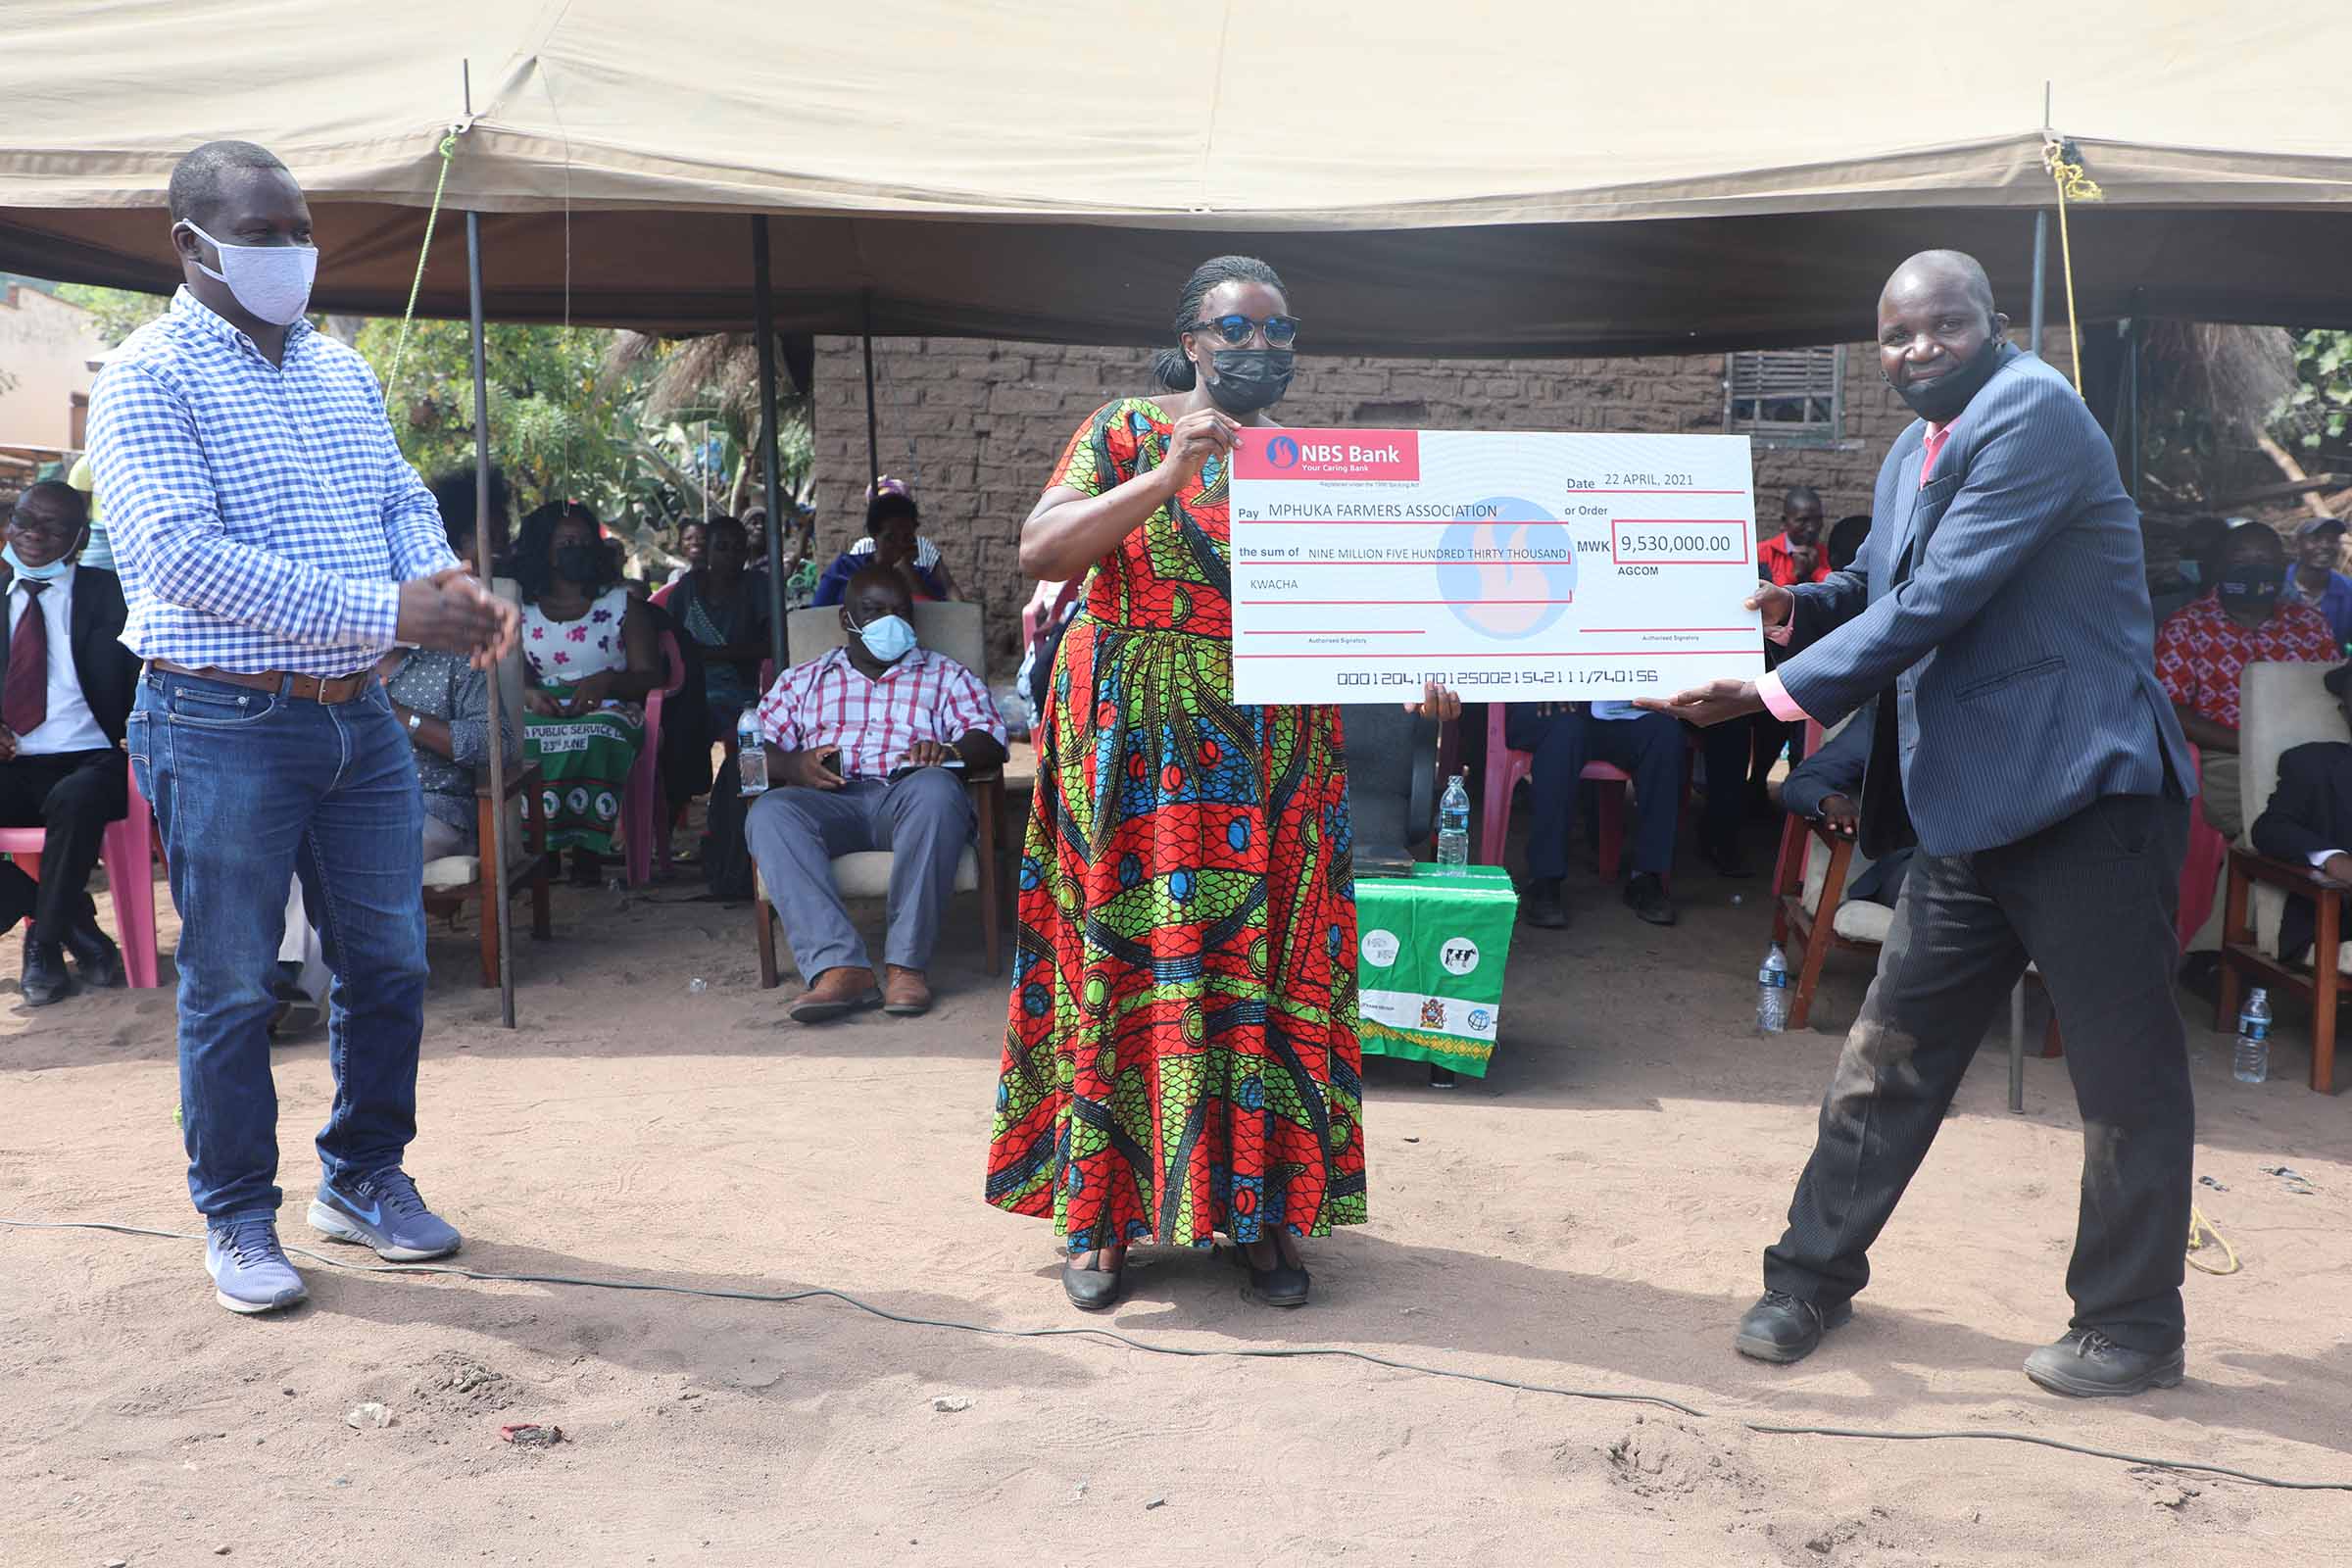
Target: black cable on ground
1247	1353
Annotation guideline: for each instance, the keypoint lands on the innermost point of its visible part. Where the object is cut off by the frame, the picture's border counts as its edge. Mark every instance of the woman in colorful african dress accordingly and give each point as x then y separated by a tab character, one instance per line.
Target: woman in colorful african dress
1181	1057
590	657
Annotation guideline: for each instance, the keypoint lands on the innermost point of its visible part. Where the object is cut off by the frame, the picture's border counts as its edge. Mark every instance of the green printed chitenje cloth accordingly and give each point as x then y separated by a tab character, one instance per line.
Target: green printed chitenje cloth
1430	952
585	762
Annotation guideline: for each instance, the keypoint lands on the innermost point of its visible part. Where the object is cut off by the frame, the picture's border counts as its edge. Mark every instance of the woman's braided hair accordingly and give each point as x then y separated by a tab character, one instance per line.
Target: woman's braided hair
1173	370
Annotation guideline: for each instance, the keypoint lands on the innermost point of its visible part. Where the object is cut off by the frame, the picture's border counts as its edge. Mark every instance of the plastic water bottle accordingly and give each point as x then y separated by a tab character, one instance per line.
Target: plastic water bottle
1772	992
1453	827
2252	1061
751	754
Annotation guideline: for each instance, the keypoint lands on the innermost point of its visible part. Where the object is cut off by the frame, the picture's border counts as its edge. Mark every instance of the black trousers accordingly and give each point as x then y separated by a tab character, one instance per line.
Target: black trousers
1649	748
1725	749
2091	901
70	795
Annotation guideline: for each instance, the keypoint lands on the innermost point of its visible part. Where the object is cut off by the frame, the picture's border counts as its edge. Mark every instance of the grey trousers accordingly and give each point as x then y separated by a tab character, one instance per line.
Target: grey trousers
924	820
2092	900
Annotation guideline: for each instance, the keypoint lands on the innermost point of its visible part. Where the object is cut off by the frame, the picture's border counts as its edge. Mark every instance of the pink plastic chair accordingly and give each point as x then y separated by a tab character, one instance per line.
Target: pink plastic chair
128	854
1507	767
643	800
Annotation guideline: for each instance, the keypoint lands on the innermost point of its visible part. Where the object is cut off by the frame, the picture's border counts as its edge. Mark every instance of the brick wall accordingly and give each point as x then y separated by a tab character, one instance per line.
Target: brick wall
976	426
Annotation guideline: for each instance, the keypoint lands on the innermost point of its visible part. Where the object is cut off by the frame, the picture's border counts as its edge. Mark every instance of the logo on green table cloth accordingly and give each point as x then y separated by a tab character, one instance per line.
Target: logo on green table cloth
1379	948
1459	956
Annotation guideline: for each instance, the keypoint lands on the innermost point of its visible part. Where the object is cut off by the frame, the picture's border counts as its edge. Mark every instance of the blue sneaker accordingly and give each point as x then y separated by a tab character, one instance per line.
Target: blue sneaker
383	1211
248	1268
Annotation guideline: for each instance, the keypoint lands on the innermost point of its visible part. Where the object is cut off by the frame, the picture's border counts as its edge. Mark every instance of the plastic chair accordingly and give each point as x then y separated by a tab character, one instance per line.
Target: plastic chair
1504	769
129	856
643	801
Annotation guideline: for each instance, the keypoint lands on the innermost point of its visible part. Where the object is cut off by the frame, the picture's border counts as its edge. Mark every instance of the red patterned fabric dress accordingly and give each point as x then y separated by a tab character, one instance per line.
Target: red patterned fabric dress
1181	1054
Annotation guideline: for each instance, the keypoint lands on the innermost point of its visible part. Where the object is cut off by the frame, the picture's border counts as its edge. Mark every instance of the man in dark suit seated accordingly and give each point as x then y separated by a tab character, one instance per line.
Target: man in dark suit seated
66	688
1827	788
2309	819
1564	737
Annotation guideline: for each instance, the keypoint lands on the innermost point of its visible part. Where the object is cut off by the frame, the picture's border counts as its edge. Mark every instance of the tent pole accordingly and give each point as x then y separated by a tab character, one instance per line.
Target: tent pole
763	322
502	913
2042	272
874	445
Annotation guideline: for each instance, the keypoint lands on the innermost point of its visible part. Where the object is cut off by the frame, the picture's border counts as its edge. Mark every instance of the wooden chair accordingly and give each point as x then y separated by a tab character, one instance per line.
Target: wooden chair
2280	706
958	630
455	881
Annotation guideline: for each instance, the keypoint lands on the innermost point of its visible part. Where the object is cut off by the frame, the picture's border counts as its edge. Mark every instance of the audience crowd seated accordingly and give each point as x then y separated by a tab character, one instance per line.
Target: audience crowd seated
2202	647
892	541
66	684
722	608
1563	737
444	704
1827	788
2312	578
857	739
2308	817
1792	556
590	656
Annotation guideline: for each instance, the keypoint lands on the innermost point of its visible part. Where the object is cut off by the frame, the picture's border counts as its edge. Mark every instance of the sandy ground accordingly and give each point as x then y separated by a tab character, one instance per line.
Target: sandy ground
1589	1217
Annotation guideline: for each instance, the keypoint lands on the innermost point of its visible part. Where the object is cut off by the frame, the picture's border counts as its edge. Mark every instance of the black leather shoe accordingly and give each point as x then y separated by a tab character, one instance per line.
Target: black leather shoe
95	954
1645	896
1284	1285
45	978
1727	861
2089	1365
1091	1289
1785	1328
1541	906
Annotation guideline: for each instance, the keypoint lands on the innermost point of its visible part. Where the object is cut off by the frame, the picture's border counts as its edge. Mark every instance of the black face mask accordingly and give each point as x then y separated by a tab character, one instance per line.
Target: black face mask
2256	588
1940	401
1249	379
582	563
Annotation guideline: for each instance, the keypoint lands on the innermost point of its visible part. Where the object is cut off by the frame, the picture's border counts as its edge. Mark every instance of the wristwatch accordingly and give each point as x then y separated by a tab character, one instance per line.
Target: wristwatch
416	722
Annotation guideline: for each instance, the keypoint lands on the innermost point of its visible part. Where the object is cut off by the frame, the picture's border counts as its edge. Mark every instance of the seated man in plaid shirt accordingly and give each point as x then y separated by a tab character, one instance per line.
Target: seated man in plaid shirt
865	743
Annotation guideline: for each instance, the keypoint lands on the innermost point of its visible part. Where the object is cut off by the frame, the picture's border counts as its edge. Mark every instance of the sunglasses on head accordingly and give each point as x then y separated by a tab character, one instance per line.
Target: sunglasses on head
1281	331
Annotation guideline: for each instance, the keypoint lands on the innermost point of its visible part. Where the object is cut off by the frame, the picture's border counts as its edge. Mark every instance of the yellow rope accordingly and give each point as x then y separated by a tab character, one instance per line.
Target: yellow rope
2201	1234
400	348
2066	171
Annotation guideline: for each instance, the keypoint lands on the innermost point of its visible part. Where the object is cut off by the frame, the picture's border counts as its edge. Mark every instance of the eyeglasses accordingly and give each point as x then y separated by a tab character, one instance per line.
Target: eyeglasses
1281	331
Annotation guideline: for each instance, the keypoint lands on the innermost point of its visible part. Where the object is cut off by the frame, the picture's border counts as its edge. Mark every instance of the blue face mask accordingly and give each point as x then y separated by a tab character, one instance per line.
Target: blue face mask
889	638
49	573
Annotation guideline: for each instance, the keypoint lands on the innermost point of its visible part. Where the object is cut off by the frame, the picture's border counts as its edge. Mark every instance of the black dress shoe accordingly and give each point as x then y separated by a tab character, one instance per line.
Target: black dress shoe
45	978
1785	1328
2089	1365
1728	859
94	953
1645	896
1541	906
1284	1285
1091	1289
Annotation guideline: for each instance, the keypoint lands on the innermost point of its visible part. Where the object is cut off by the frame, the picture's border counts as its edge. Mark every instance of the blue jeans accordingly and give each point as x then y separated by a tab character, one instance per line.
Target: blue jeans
251	790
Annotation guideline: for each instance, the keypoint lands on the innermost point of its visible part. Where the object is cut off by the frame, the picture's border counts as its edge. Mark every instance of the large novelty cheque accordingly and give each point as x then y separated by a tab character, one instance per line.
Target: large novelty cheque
1510	568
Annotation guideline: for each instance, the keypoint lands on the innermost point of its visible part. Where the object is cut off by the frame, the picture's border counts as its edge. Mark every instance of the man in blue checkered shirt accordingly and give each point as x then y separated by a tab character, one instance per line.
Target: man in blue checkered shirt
272	545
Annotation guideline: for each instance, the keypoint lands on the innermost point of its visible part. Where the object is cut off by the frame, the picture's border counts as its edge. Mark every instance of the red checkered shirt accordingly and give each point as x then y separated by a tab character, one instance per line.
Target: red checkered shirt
2200	651
827	701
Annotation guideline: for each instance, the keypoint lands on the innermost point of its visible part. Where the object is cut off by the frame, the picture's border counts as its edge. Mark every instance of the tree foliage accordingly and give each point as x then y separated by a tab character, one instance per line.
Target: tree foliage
2318	412
646	432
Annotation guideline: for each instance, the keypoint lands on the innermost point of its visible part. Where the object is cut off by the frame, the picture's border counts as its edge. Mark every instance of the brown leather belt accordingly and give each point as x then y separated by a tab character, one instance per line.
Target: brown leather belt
327	689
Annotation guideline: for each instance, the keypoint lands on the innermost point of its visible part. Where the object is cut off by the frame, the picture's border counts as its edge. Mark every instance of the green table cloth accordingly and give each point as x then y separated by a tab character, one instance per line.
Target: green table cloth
1431	950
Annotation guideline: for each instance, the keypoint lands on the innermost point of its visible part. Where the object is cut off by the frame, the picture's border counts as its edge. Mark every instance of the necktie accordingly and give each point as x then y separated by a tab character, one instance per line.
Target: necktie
25	698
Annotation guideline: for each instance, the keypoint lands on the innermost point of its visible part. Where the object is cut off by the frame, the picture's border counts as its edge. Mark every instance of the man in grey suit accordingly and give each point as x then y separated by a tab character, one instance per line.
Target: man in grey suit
2000	605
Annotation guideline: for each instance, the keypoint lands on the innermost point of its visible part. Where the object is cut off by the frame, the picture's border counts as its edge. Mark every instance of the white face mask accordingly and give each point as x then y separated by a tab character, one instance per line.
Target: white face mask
272	281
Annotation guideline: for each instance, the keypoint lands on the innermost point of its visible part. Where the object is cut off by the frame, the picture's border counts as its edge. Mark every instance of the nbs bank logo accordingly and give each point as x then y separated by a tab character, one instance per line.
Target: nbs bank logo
1506	568
1328	455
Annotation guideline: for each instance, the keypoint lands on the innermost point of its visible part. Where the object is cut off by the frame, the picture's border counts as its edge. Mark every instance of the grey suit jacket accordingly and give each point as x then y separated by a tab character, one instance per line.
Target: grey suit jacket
2005	609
